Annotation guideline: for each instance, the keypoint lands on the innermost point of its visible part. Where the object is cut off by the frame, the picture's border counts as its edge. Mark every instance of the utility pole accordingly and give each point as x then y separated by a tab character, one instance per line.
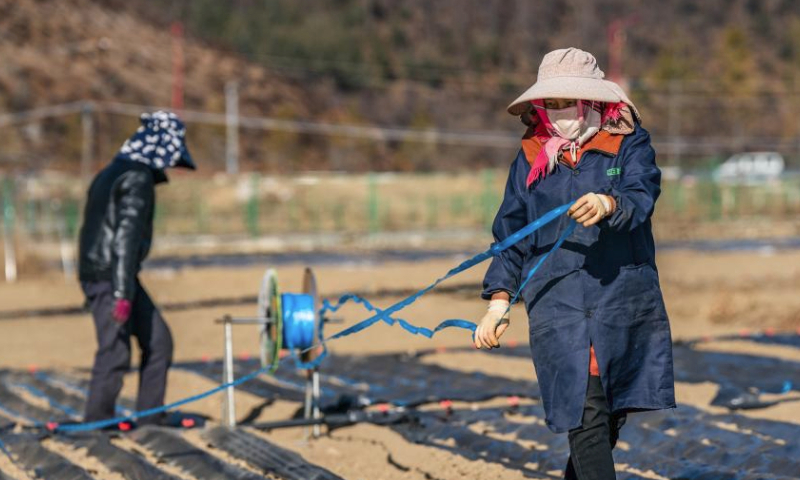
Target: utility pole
796	95
616	47
674	122
232	128
585	13
87	149
616	41
177	66
9	240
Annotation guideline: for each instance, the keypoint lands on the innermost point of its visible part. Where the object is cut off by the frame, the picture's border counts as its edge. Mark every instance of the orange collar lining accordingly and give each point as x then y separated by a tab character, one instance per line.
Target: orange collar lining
603	141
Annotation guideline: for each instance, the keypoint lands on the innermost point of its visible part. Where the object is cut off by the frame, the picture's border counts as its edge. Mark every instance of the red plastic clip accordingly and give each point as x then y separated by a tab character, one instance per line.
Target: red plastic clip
187	422
125	426
383	407
446	404
52	426
513	401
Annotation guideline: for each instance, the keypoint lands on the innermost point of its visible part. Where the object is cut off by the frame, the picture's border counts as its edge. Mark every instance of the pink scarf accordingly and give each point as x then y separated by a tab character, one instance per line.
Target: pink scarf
552	144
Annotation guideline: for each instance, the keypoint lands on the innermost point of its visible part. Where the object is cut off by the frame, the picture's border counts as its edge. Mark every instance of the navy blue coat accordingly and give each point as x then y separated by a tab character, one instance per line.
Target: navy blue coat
600	288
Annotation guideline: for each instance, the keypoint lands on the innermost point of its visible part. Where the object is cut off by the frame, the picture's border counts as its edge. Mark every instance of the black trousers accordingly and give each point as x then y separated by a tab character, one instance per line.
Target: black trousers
113	357
590	444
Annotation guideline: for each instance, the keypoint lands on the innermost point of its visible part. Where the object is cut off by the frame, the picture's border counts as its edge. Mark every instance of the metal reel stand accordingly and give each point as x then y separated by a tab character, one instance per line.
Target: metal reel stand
269	323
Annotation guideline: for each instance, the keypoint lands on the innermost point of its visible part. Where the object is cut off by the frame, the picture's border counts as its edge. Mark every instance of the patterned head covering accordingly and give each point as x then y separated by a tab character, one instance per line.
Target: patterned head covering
159	143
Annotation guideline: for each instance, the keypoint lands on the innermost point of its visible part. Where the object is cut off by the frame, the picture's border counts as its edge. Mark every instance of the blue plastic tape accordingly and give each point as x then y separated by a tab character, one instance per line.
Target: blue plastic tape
300	329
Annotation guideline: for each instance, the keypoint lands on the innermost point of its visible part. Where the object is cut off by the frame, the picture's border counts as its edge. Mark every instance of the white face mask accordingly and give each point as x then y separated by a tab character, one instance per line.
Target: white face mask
566	122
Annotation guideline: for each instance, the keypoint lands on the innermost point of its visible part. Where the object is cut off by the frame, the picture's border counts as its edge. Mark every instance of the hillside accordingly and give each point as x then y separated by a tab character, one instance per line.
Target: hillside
56	52
61	52
700	70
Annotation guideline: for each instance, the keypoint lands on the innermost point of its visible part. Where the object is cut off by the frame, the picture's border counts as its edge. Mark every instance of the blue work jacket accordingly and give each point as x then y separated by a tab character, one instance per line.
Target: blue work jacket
600	289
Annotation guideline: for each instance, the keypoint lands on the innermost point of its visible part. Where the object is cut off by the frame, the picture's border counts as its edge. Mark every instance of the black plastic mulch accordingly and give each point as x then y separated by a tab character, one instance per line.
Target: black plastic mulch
741	377
70	403
389	378
268	390
681	444
31	456
16	407
78	387
130	466
785	339
174	450
266	456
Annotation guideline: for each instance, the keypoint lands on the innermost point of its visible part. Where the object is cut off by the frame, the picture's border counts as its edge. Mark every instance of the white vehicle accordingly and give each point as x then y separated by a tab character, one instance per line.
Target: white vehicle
750	167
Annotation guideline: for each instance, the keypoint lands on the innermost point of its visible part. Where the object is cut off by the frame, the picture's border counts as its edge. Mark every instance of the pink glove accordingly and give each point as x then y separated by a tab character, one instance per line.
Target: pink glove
122	310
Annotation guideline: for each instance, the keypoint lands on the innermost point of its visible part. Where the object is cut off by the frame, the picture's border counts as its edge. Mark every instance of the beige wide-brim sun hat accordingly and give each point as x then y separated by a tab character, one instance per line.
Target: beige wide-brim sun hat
570	73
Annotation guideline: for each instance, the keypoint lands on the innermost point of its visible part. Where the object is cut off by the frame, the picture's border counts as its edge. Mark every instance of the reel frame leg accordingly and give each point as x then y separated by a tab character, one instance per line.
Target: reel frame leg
315	399
311	407
229	401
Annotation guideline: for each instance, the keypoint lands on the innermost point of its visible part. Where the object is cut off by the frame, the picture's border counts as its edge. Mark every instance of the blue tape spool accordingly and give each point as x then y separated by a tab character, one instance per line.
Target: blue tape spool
296	325
299	321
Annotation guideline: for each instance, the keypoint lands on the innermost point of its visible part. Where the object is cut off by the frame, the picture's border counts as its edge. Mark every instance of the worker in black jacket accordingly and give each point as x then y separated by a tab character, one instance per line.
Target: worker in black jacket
114	240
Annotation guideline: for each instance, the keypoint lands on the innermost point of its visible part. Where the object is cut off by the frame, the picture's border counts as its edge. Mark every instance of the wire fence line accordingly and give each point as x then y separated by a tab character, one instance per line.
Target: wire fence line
488	138
221	132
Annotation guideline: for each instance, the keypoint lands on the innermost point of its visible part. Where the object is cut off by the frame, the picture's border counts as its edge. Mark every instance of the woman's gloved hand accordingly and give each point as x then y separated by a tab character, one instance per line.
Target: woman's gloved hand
122	310
492	325
591	208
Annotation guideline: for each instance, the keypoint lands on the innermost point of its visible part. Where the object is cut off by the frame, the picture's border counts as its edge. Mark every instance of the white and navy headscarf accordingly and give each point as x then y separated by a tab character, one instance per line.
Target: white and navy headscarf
159	143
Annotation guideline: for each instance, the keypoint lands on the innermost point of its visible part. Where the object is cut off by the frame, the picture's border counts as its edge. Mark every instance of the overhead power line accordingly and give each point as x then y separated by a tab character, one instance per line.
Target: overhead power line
463	137
42	113
474	138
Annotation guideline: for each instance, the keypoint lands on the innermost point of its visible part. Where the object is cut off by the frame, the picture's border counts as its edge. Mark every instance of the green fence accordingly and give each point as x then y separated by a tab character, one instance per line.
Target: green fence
706	201
256	205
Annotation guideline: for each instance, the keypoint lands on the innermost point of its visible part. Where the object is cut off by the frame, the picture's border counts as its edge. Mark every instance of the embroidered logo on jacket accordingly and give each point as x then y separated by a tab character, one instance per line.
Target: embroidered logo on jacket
613	171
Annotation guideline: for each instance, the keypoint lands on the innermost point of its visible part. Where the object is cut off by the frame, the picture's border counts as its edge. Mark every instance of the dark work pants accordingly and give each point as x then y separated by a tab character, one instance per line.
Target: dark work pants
113	357
590	444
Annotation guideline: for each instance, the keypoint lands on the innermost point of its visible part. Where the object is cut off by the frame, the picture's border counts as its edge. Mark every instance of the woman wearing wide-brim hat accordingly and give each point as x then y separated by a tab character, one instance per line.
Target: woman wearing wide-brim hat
599	332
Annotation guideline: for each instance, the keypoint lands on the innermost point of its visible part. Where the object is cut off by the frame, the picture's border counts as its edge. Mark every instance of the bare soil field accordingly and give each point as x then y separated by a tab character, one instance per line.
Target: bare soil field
708	295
